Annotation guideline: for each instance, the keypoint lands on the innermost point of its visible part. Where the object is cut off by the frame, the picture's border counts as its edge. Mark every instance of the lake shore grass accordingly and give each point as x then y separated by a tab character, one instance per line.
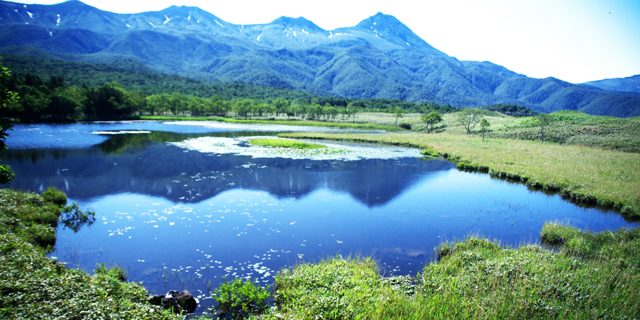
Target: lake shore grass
285	143
34	286
592	176
341	125
590	275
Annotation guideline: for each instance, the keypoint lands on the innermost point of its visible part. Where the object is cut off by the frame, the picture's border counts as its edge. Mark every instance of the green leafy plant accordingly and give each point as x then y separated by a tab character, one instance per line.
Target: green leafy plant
54	196
430	120
74	218
115	272
484	124
238	300
285	143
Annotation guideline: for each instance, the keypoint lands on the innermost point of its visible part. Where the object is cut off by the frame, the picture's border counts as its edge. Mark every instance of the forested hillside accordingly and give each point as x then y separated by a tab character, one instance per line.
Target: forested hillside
61	91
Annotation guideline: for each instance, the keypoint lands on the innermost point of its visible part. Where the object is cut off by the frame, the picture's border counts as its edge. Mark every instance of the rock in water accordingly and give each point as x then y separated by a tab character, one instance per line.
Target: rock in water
170	302
186	301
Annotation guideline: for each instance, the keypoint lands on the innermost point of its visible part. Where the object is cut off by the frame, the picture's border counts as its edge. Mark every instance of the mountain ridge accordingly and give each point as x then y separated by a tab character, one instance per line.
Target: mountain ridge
626	84
380	57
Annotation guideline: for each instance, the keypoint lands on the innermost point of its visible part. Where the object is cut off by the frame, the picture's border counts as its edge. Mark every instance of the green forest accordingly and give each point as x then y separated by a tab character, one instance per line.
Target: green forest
59	91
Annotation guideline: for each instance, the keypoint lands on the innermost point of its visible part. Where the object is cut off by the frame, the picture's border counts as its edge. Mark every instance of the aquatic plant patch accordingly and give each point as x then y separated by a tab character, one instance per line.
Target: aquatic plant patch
285	143
330	151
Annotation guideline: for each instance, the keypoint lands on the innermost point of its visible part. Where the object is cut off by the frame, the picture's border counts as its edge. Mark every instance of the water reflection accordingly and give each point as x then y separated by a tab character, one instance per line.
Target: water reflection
157	169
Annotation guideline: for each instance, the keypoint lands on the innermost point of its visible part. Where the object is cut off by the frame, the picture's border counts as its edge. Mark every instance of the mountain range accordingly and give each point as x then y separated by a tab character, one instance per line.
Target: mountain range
378	58
628	84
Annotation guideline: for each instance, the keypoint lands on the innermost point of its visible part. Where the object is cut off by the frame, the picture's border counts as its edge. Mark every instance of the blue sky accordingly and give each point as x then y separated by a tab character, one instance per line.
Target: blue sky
573	40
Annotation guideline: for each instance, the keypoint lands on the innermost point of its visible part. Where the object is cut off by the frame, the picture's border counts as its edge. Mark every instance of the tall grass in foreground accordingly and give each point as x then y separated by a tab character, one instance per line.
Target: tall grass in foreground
590	276
590	175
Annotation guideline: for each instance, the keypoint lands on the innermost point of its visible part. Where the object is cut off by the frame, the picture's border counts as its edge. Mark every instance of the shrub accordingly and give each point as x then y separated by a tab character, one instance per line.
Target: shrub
54	196
239	299
430	152
116	272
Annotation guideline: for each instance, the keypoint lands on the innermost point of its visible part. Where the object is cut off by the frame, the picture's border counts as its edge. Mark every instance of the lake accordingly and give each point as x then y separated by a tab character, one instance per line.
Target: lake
182	205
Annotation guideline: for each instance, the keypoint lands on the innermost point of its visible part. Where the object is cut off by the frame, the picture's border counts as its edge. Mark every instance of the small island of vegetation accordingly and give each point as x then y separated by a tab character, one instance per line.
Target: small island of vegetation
285	143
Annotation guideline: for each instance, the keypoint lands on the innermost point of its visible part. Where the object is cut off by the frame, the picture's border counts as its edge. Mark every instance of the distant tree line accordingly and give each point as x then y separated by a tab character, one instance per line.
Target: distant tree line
52	100
512	110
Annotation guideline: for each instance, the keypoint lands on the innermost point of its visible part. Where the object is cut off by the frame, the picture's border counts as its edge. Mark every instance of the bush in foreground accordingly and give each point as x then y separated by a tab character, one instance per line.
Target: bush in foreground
592	275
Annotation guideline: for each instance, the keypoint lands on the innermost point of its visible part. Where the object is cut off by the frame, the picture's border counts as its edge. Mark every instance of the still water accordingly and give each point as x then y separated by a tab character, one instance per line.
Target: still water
180	206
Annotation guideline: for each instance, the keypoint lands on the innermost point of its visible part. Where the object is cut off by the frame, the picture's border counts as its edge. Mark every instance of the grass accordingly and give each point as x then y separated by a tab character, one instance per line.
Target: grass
584	174
577	128
285	143
34	286
589	276
341	125
567	127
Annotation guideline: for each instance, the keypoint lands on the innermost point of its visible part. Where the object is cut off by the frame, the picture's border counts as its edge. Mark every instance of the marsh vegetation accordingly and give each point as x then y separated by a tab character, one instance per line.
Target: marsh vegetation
590	275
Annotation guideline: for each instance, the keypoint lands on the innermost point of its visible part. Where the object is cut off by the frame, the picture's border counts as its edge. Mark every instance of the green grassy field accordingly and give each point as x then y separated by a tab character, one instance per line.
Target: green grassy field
567	127
590	276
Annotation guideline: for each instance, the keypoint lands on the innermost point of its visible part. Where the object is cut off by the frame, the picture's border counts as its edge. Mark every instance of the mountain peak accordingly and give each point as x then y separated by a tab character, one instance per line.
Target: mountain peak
391	29
385	21
297	22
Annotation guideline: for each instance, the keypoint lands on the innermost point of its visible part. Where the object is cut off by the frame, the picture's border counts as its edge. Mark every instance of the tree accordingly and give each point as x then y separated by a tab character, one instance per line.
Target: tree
427	108
108	102
330	111
196	106
6	96
397	112
64	103
542	121
431	119
314	111
351	111
468	118
484	124
242	107
281	106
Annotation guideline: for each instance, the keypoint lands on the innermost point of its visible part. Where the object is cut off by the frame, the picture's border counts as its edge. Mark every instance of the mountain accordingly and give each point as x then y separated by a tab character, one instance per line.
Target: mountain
628	84
380	57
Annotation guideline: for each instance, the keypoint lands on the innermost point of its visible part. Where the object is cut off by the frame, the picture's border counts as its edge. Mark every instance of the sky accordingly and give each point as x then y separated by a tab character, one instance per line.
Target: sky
573	40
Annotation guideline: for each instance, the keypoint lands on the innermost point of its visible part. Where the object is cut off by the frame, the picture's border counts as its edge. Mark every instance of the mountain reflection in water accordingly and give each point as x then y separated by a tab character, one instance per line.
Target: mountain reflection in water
144	164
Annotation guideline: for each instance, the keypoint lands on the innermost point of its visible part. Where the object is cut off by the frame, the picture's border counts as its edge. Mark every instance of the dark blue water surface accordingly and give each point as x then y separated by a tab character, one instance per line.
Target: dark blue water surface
183	219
